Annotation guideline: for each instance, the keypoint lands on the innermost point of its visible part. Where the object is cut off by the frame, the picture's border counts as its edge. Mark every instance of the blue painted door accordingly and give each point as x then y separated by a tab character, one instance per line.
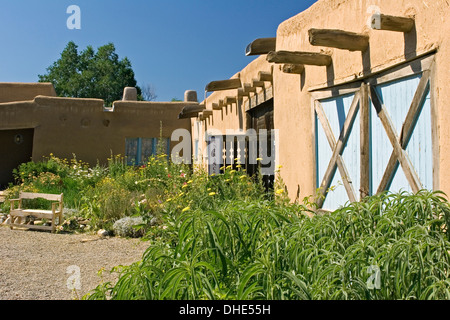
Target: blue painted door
396	97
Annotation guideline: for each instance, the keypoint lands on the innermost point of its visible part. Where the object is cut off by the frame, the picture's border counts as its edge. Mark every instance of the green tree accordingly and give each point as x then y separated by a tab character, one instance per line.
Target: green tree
91	74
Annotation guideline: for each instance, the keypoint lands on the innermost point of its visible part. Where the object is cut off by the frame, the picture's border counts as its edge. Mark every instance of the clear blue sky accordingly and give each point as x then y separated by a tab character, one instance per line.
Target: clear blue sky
174	45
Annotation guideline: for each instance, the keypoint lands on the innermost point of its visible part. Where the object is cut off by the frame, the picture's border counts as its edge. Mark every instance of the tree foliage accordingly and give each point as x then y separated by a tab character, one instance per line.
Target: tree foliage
90	74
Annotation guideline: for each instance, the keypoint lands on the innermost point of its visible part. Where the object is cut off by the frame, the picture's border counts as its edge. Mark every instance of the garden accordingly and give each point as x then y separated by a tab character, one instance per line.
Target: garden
223	237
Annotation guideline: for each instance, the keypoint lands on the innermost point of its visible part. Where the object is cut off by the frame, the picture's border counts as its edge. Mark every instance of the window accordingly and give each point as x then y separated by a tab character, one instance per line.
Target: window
138	150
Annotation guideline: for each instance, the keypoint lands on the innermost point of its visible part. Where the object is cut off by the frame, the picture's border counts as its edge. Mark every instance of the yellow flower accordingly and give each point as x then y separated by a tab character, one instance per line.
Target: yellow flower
279	166
184	186
232	171
259	159
168	200
229	167
279	191
212	193
186	209
238	166
242	177
209	189
228	180
190	181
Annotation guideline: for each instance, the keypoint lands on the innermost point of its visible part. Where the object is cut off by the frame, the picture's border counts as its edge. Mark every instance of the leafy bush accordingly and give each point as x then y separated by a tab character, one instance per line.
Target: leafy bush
392	246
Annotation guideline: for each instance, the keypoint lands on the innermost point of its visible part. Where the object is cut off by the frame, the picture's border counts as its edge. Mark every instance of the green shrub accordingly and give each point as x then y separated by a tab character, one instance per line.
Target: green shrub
392	246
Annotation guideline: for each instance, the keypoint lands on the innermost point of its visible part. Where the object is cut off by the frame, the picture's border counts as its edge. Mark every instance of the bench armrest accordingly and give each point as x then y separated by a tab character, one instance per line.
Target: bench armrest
56	206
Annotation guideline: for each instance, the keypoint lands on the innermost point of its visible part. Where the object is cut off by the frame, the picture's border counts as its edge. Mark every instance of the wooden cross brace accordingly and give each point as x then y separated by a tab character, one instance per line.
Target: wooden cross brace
338	148
399	144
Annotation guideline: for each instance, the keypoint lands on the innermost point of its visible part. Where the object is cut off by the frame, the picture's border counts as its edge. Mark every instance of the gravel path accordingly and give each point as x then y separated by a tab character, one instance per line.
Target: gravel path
37	265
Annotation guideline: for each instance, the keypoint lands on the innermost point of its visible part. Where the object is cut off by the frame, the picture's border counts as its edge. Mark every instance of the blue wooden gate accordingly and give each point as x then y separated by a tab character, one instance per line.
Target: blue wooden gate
375	139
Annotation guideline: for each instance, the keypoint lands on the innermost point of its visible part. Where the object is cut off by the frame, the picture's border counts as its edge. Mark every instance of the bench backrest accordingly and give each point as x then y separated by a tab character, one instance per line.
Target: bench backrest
46	196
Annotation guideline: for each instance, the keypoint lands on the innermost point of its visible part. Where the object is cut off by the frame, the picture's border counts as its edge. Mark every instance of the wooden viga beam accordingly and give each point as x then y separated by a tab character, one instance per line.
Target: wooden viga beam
242	93
191	111
257	83
229	100
299	57
216	106
261	46
293	68
248	88
391	23
338	39
265	76
223	85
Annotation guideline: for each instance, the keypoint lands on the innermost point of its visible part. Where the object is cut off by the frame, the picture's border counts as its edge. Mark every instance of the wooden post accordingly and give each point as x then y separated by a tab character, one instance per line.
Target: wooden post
261	46
364	142
338	39
293	68
391	23
297	57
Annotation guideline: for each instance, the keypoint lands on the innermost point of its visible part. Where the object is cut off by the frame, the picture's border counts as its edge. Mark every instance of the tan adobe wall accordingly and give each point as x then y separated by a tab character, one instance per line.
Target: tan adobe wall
10	92
292	102
67	126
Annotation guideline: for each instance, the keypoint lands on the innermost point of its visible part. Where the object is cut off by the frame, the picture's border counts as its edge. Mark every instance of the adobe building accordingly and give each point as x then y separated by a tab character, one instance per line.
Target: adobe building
357	93
34	123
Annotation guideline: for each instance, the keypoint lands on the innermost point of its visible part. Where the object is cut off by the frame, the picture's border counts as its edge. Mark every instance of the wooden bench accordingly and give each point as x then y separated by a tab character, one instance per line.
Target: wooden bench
54	216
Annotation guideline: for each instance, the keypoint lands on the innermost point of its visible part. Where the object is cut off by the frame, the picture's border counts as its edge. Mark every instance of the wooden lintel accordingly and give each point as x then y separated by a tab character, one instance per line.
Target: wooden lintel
261	46
298	57
248	88
338	39
221	104
293	68
207	113
392	23
265	76
223	85
257	83
229	100
215	106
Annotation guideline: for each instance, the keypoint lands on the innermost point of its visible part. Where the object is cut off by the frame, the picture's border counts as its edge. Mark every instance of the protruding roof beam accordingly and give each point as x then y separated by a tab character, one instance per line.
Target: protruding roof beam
261	46
338	39
257	83
216	106
265	76
392	23
248	88
229	100
298	57
207	113
223	85
191	111
242	93
293	68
